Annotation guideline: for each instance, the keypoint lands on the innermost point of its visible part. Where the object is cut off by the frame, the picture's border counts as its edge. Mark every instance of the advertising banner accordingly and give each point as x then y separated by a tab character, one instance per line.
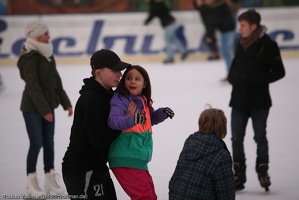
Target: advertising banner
78	36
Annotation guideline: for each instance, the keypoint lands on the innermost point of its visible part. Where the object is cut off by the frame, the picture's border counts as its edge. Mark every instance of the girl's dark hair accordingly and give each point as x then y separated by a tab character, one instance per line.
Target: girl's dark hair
147	91
251	16
213	121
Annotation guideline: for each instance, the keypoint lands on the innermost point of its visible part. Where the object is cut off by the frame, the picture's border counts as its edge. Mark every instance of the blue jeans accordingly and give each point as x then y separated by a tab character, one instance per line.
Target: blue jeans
41	134
227	47
239	119
171	39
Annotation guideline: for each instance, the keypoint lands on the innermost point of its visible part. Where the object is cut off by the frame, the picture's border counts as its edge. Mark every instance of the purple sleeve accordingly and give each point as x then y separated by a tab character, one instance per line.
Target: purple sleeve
158	116
117	119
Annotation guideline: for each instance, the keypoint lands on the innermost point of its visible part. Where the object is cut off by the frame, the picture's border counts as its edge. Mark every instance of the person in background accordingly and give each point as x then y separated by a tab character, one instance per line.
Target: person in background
157	8
131	152
84	167
210	38
252	3
256	64
219	17
1	85
204	169
3	26
42	94
1	82
235	6
223	20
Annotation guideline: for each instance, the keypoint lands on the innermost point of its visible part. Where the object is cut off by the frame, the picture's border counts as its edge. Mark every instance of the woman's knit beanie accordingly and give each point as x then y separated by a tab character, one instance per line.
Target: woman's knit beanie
35	29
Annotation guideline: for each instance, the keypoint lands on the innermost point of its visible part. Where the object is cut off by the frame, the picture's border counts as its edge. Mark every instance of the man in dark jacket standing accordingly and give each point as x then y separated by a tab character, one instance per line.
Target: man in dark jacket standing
256	64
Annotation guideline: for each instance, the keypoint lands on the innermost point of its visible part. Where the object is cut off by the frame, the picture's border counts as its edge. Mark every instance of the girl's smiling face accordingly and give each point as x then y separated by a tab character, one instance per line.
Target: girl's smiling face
134	82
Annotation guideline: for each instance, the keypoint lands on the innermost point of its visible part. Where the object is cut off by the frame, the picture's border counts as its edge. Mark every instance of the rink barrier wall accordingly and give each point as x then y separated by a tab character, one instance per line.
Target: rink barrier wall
135	59
76	37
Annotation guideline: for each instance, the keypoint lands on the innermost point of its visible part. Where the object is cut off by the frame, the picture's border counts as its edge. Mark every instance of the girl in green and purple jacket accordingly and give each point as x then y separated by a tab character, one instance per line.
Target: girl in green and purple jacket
132	150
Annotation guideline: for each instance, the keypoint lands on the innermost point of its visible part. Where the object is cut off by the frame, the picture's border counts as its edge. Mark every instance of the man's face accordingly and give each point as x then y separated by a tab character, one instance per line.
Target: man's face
246	29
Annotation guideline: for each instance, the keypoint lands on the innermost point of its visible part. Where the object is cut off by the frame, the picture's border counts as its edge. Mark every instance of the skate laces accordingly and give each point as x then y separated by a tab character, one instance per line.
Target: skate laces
263	175
239	175
263	170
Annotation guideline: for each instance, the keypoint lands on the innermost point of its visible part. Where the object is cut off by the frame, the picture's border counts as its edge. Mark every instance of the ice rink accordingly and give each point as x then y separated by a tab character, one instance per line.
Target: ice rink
186	87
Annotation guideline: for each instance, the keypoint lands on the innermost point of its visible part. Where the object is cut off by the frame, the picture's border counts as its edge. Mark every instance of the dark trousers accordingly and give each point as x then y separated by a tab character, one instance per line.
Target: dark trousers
239	119
94	184
41	134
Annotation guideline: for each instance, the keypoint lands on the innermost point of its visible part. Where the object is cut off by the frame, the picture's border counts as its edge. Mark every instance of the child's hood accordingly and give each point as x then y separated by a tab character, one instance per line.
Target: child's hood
199	145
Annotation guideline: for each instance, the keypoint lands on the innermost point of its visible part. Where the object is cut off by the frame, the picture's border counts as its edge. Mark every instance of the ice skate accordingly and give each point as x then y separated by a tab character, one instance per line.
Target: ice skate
32	187
1	85
213	56
184	55
240	176
168	60
51	183
264	179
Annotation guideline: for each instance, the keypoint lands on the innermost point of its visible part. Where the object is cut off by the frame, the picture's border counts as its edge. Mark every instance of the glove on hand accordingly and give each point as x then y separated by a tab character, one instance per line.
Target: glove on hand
168	112
139	118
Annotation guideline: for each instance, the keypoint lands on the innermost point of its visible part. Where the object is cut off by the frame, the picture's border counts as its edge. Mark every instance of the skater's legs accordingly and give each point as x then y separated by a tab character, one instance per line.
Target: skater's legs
48	144
176	41
259	122
33	122
239	119
227	44
168	36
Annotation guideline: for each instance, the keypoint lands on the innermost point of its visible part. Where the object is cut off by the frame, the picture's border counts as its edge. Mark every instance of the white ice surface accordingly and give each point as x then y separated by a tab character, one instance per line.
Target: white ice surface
185	87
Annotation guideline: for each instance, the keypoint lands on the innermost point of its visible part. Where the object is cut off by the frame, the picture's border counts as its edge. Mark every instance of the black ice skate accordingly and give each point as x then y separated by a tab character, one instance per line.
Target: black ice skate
262	172
168	60
240	175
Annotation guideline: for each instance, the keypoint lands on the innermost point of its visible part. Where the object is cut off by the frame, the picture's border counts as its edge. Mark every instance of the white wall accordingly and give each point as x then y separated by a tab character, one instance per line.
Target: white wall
78	36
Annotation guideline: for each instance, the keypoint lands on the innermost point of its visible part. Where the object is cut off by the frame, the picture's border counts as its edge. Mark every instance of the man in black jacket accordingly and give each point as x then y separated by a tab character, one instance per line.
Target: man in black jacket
256	64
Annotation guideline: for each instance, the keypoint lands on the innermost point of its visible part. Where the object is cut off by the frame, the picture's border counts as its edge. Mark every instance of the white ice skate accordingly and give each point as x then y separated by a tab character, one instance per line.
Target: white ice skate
51	183
32	187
